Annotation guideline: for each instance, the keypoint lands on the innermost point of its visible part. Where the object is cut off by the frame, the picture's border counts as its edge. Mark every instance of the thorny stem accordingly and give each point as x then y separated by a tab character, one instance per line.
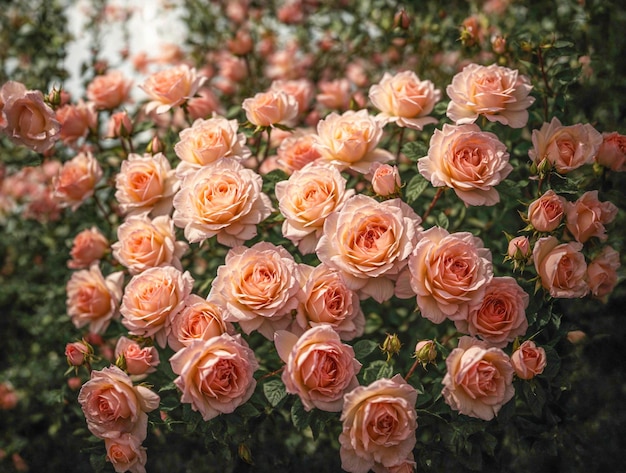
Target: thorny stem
432	204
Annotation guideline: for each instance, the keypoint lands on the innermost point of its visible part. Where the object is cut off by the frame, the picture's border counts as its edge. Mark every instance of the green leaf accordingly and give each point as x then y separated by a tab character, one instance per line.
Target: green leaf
377	370
414	150
442	221
274	391
248	410
415	187
362	348
299	416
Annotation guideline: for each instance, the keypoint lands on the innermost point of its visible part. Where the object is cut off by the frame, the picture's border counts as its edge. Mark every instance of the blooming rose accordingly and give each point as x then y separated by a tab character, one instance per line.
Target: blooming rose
76	121
501	315
528	360
498	93
350	140
77	180
77	353
8	397
379	423
145	184
587	217
565	147
126	454
306	199
171	87
271	108
113	406
319	368
301	89
602	272
296	152
546	213
203	104
385	179
449	272
152	298
92	299
137	360
405	100
334	94
215	375
109	91
561	267
258	286
479	379
88	247
144	243
369	242
612	151
468	160
224	199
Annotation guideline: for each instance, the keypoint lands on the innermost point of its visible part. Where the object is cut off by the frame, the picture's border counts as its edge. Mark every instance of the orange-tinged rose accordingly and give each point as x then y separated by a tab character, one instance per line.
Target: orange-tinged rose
109	91
586	218
137	360
77	180
88	247
171	87
546	213
271	108
612	152
528	360
126	454
602	273
561	267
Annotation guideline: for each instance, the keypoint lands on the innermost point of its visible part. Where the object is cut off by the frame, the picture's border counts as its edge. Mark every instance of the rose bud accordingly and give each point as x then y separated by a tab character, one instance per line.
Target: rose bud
386	180
391	345
78	353
528	360
426	352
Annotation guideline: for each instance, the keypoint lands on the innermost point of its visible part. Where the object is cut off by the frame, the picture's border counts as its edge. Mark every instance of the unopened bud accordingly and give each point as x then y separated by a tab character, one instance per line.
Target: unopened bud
498	44
391	346
54	98
155	146
519	248
386	180
78	353
402	20
120	125
426	351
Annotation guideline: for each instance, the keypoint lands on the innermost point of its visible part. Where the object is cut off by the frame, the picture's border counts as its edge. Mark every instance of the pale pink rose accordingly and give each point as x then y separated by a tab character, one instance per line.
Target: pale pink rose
519	248
119	125
146	184
137	360
204	104
152	298
78	353
93	299
221	199
528	360
109	91
612	152
76	121
565	147
306	199
546	213
335	94
501	315
171	87
586	218
498	93
602	273
301	89
199	320
327	300
405	100
77	180
126	454
215	375
379	423
562	268
385	179
297	151
113	406
258	287
479	379
449	272
319	368
88	247
470	161
369	242
271	108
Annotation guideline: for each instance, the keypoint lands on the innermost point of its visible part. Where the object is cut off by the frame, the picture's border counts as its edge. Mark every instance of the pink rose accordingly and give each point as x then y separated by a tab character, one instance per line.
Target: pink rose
501	315
335	94
386	180
301	89
171	87
119	125
271	108
126	454
296	152
528	360
587	217
469	161
479	379
113	406
8	397
215	375
93	300
204	104
78	353
88	247
405	100
77	180
565	147
612	152
519	248
449	272
76	121
137	360
561	267
498	93
109	91
602	273
318	367
546	213
379	423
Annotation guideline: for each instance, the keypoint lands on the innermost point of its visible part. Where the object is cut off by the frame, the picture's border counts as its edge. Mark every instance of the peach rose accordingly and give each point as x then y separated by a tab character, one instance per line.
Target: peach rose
528	360
385	180
77	180
561	267
519	248
109	91
144	243
204	104
8	397
334	94
479	379
498	93
171	87
587	217
113	406
379	423
88	247
271	108
146	184
350	140
301	89
126	454
602	273
612	152
78	353
449	272
224	199
152	298
405	100
318	367
306	199
565	147
93	299
297	151
258	286
76	121
546	213
501	315
136	360
469	161
215	375
369	242
119	125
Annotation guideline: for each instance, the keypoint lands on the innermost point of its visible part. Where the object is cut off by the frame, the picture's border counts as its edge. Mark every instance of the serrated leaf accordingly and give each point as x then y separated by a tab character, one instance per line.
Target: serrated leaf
414	150
299	416
274	391
442	221
248	410
377	370
415	187
362	348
